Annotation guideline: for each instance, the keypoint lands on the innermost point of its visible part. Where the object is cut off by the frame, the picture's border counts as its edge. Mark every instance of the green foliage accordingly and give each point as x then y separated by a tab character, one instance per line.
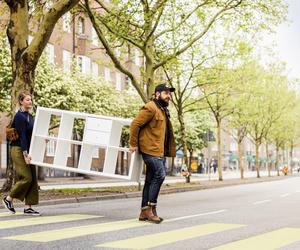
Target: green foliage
196	124
5	74
53	88
164	29
77	92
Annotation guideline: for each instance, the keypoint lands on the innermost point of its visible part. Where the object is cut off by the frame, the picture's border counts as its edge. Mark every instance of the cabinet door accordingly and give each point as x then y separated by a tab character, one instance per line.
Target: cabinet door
98	124
96	137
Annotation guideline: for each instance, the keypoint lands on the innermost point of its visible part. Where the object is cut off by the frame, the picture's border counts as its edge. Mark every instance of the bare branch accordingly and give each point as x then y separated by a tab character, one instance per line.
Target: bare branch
101	18
197	37
107	10
182	21
161	10
42	36
112	55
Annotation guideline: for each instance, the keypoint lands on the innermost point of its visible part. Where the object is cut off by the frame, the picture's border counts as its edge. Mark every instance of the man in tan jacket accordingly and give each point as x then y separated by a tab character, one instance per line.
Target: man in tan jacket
151	134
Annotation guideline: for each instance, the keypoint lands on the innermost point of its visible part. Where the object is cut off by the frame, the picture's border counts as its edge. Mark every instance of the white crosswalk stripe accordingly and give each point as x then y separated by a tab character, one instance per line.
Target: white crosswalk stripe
267	241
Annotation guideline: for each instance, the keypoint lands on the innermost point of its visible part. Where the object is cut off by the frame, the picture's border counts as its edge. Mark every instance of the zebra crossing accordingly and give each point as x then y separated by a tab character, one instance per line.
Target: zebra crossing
273	239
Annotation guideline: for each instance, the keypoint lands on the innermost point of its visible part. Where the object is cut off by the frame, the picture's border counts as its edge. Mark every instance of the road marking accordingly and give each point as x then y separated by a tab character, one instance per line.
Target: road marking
6	214
285	195
197	215
261	202
44	220
268	241
158	239
72	232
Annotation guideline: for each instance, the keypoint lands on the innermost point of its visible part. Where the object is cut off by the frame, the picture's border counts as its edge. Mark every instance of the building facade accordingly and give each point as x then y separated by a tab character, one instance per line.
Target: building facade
74	41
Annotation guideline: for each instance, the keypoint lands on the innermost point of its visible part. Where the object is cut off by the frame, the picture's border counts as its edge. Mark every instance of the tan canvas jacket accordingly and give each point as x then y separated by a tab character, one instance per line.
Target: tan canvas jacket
147	131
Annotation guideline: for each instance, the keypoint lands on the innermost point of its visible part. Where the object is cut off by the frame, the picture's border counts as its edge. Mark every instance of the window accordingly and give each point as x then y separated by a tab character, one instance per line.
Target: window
95	40
80	63
84	64
50	52
95	72
66	61
128	81
118	51
80	26
107	74
233	147
95	153
137	58
50	148
87	65
67	22
30	38
118	81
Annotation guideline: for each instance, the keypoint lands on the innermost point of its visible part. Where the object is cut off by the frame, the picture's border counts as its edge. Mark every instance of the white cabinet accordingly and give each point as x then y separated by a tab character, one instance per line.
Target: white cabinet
99	132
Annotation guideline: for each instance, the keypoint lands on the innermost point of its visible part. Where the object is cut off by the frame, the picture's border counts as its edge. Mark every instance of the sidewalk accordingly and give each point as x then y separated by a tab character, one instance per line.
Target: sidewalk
99	182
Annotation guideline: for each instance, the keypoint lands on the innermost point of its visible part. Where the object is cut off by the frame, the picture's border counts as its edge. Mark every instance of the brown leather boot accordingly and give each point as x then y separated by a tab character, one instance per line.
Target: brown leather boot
151	217
143	215
155	213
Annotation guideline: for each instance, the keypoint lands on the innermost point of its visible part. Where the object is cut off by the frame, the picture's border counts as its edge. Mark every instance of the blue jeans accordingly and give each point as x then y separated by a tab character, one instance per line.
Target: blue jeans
155	176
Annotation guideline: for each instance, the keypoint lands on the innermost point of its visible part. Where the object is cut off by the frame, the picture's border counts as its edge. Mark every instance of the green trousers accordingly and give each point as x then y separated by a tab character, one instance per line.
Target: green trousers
26	186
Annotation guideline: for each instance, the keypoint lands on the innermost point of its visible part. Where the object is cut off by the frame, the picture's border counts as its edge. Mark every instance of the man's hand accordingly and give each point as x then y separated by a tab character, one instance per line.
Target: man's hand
133	149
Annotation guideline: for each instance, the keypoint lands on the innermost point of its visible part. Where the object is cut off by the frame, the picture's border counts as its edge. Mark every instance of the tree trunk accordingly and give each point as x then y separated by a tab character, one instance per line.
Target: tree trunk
25	58
173	172
283	155
257	158
122	163
291	158
240	152
183	141
240	158
267	159
277	159
219	144
149	77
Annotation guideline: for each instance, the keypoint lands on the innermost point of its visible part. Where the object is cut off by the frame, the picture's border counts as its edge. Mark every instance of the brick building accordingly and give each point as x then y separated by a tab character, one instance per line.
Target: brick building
75	40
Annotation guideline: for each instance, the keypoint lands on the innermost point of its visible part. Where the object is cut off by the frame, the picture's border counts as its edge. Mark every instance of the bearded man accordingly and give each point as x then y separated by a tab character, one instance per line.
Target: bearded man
151	134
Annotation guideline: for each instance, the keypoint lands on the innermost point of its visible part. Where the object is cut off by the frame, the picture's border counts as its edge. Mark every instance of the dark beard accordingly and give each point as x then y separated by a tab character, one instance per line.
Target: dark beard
162	103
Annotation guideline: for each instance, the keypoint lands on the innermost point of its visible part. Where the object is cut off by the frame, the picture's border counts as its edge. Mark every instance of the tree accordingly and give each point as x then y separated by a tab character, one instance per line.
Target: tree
247	75
285	131
267	104
5	74
181	73
56	89
148	26
25	56
217	88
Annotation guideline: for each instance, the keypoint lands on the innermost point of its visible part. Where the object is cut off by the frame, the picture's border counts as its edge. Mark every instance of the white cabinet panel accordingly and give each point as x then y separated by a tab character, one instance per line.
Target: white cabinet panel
99	132
96	137
98	124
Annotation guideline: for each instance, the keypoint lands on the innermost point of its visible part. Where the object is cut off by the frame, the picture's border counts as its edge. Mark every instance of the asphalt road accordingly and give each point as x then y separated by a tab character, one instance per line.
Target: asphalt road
253	216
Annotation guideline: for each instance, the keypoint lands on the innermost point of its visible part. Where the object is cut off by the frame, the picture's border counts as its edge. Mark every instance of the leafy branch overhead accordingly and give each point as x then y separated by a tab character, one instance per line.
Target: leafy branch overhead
149	28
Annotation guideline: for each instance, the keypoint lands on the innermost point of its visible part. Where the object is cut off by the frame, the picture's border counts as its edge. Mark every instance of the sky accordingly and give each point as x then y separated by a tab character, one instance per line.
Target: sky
288	39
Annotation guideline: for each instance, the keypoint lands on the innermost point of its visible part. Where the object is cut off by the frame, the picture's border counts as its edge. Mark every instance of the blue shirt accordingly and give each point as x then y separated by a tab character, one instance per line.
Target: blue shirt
23	123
